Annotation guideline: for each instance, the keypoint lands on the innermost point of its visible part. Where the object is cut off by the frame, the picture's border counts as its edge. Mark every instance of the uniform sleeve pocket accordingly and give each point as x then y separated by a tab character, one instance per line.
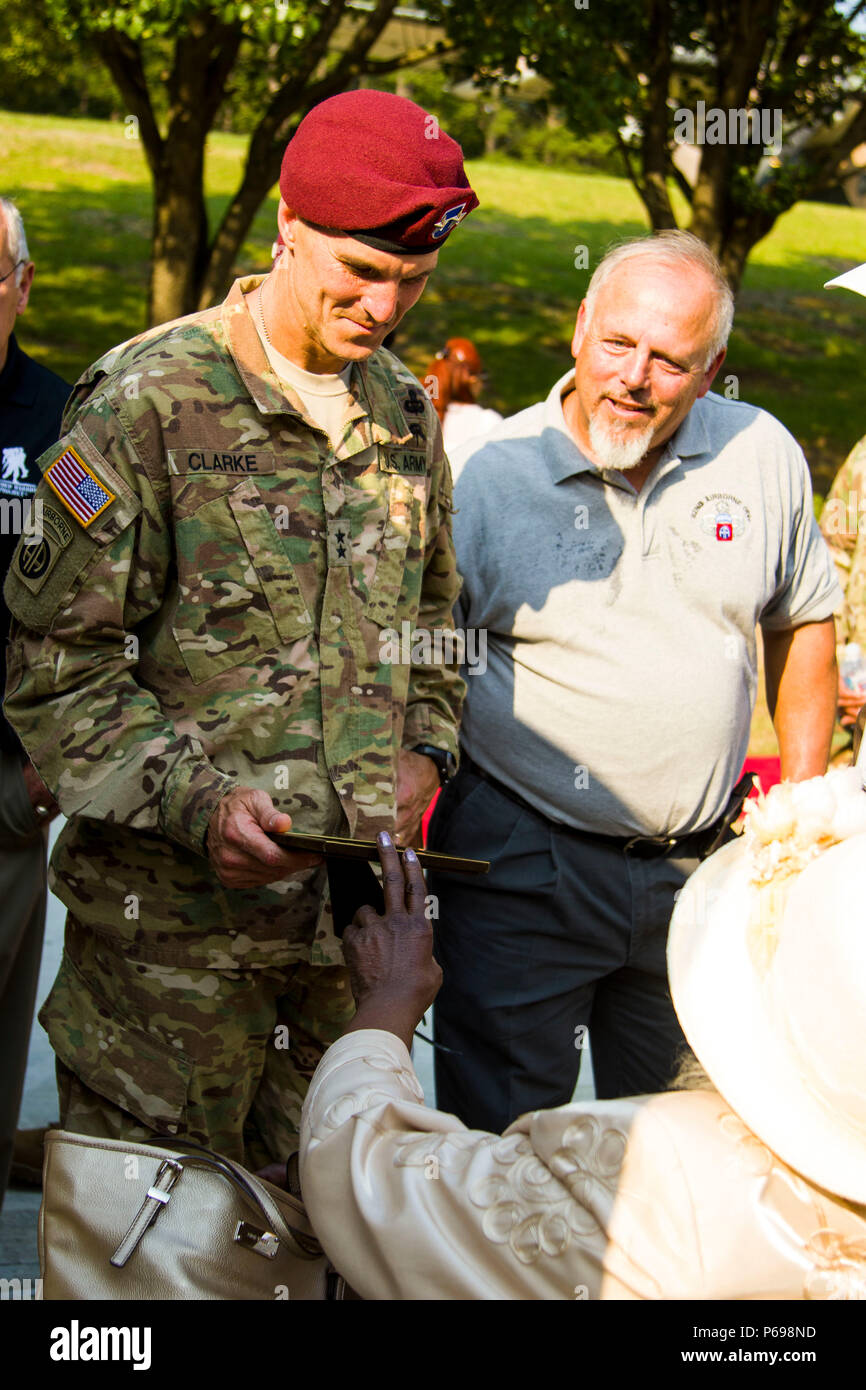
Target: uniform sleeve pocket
50	563
116	1058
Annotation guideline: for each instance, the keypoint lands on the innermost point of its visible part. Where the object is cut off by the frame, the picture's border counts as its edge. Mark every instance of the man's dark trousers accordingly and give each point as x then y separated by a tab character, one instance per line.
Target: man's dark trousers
566	932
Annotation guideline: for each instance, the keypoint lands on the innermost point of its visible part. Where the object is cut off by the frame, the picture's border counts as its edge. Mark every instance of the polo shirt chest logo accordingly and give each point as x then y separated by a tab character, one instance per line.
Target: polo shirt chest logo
722	516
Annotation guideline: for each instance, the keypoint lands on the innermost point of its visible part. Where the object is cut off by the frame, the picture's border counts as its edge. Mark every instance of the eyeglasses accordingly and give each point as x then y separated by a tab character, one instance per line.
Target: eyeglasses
4	278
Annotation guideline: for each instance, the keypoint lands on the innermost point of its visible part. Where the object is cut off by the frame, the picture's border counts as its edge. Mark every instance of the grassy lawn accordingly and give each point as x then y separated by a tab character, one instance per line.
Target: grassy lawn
507	279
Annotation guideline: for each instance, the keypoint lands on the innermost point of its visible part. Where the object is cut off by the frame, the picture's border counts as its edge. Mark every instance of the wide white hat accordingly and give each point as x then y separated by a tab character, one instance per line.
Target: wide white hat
770	989
852	280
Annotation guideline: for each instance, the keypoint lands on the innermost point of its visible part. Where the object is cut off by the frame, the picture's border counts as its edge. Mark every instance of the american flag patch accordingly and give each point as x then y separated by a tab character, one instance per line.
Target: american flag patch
78	488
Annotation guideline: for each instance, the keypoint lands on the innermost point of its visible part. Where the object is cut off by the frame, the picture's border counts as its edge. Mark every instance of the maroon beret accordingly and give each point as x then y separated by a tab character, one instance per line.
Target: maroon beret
378	168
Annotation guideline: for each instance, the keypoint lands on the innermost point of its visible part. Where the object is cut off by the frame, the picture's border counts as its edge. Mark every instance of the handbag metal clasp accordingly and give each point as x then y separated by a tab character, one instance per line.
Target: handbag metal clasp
157	1196
261	1242
167	1175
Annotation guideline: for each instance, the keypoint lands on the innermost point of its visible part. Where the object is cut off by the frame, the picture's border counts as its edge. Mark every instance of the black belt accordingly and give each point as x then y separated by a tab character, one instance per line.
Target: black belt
696	845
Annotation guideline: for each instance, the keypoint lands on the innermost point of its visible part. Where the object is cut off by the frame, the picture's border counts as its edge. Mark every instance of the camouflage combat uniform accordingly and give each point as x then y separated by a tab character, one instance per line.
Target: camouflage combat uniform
843	525
207	610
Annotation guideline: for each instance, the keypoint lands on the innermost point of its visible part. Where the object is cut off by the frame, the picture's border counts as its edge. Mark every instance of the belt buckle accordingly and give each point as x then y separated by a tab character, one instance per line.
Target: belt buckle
643	847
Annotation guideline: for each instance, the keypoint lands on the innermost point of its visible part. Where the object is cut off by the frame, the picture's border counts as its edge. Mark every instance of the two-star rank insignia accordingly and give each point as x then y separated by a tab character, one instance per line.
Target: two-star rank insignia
339	541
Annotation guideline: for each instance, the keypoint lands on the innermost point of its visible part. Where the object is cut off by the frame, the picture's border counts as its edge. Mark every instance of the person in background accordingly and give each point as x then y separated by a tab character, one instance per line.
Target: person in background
31	405
843	526
454	381
619	543
750	1184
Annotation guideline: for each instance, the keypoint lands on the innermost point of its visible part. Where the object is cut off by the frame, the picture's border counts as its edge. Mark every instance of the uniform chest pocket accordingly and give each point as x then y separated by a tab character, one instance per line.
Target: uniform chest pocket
400	557
238	595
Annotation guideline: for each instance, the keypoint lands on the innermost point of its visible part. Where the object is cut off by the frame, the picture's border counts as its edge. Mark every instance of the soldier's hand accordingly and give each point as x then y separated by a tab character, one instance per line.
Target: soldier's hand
45	808
238	848
417	784
392	970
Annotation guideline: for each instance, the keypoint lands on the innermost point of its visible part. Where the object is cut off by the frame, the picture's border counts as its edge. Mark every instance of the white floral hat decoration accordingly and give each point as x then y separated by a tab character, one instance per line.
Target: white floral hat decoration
767	965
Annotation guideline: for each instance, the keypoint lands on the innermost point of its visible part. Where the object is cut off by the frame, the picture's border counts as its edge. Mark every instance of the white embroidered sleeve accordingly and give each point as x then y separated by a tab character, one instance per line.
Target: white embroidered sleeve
409	1204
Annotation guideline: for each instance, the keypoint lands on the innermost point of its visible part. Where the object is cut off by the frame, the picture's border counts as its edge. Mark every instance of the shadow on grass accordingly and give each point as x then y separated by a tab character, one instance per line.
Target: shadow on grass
507	280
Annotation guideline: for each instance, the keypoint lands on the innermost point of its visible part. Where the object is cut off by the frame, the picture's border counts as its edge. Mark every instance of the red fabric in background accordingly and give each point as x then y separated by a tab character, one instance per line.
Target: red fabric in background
425	819
768	770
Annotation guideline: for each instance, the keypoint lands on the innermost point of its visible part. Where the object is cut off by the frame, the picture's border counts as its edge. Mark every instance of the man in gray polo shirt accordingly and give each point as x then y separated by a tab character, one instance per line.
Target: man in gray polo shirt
619	543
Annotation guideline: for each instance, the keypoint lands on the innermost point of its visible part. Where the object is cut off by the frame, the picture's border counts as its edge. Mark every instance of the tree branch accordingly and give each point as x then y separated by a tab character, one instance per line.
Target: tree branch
630	170
291	94
655	157
204	53
682	183
411	58
122	57
351	63
315	50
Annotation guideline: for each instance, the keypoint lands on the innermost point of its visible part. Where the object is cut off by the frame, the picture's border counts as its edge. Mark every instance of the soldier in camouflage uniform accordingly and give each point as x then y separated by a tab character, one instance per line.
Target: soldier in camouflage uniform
843	525
198	653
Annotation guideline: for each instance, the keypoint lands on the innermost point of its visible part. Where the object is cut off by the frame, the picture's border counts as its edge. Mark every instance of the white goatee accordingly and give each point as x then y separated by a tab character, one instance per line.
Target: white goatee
623	450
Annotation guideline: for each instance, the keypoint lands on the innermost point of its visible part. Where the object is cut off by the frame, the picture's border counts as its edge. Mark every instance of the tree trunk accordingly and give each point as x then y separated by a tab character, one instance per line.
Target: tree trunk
179	253
216	271
744	233
654	153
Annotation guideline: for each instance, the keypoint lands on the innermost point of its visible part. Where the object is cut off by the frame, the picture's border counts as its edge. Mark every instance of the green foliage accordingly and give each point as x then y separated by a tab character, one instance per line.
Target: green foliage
559	147
604	64
275	36
500	122
40	70
143	20
431	88
506	279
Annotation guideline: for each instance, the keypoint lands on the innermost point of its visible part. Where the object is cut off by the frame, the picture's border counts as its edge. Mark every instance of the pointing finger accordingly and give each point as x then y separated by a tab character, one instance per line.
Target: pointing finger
416	895
392	874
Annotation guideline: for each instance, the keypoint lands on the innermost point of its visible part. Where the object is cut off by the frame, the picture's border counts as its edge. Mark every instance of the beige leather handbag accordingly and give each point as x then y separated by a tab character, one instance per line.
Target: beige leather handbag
132	1221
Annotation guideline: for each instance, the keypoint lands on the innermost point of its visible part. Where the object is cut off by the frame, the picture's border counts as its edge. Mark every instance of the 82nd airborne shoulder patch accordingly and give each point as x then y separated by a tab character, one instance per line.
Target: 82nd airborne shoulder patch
78	488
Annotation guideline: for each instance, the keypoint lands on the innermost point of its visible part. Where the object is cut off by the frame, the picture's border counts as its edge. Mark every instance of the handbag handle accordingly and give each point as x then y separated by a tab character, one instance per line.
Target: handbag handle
301	1243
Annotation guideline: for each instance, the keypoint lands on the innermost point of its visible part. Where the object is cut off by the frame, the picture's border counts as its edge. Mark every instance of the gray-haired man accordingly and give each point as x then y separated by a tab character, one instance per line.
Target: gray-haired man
31	404
619	543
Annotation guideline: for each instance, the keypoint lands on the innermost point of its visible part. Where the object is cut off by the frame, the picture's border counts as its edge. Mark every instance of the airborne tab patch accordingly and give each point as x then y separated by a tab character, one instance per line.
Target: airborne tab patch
78	488
36	559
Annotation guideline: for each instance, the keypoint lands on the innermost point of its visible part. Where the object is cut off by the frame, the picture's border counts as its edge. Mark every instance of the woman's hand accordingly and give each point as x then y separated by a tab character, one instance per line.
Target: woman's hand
392	970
